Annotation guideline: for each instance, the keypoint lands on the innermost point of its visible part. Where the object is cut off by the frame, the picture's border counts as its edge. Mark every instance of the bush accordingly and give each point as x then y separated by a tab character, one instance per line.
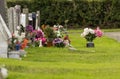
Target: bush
104	13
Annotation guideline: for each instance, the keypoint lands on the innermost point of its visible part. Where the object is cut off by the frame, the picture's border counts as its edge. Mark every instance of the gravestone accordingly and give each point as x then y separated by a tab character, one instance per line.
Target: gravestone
37	20
14	17
3	10
23	20
18	12
34	19
4	31
4	36
30	19
11	19
25	15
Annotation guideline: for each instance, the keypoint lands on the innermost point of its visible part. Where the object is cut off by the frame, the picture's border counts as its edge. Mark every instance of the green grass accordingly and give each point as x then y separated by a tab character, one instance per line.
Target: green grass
100	62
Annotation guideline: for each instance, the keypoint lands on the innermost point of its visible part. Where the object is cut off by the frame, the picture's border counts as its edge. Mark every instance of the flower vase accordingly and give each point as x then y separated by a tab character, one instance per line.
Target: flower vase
90	44
49	44
17	47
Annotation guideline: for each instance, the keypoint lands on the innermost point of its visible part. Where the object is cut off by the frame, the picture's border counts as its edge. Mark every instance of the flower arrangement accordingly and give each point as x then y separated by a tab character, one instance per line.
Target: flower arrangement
59	30
39	41
90	34
58	42
37	38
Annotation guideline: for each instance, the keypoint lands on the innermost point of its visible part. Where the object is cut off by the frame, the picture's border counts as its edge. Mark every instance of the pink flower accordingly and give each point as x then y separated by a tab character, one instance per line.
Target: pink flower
35	39
39	34
35	31
98	32
43	39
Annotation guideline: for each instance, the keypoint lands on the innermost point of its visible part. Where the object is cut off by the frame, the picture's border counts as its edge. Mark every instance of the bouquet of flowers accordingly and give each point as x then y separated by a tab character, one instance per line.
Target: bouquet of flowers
38	37
58	42
90	34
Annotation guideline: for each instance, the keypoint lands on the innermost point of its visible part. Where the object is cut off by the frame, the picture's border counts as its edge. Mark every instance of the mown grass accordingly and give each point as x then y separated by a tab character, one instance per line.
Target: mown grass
100	62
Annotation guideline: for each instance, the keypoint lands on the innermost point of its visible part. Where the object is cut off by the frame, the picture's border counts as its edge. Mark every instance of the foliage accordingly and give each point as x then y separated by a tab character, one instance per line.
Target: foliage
36	43
49	34
79	13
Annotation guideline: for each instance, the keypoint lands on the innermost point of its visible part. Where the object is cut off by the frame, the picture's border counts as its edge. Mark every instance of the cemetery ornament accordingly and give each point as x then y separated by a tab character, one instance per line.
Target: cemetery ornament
90	34
4	72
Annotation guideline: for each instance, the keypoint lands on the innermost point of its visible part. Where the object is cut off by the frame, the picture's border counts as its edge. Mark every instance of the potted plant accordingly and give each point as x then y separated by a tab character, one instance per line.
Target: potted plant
90	34
50	35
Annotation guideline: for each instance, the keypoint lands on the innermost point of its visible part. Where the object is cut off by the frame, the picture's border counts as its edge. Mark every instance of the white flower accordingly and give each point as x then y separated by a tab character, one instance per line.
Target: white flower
20	37
82	35
55	26
58	33
18	27
91	31
60	26
86	31
23	35
4	72
16	34
15	41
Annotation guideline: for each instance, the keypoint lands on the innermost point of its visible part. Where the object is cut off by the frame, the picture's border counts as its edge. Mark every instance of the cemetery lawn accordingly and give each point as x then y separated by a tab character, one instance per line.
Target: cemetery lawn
100	62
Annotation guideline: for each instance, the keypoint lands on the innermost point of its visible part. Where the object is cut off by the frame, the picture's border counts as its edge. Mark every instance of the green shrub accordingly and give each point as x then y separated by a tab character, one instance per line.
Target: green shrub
49	34
103	13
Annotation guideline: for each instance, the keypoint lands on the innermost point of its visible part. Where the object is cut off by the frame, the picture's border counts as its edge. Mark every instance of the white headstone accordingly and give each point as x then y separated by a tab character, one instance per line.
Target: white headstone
4	36
11	19
37	20
23	19
18	12
26	11
14	18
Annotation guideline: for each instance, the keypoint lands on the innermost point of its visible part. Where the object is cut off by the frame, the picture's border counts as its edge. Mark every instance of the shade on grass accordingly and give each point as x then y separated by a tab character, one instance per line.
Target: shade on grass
100	62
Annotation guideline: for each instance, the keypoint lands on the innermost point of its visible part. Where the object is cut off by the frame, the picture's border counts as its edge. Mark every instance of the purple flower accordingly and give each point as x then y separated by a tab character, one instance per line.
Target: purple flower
57	40
29	28
39	34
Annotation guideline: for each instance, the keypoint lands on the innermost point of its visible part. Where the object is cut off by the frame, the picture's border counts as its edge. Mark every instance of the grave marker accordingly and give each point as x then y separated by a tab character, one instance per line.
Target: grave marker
4	36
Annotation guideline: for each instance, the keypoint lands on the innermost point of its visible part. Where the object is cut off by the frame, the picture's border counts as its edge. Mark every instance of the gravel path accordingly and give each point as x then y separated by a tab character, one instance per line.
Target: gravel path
114	35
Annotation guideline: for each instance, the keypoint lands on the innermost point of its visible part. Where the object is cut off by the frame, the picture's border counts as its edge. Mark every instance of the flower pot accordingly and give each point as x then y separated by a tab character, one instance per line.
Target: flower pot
90	44
49	44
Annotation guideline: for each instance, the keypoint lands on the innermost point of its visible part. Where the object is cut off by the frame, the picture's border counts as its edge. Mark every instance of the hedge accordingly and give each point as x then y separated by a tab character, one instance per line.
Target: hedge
79	13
